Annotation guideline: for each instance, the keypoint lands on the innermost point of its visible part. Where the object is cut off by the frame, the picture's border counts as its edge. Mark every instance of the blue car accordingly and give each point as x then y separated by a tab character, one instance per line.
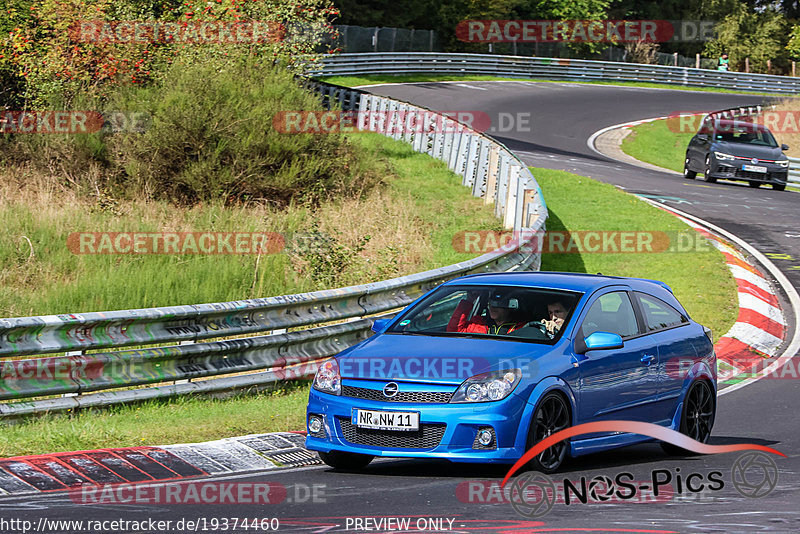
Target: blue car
483	367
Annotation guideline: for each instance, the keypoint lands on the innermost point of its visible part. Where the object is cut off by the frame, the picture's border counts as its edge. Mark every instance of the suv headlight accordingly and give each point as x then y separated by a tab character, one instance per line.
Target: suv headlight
488	387
783	163
722	156
328	379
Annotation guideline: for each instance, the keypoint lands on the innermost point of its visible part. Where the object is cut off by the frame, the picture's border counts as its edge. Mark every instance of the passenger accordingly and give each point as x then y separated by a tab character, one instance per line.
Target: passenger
504	315
557	314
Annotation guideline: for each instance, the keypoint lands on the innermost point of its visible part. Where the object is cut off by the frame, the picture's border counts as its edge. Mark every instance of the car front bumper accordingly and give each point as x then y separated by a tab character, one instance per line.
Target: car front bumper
446	430
733	170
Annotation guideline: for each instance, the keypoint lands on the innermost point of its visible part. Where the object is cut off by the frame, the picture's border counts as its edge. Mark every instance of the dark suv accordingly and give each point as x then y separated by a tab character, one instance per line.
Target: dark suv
735	150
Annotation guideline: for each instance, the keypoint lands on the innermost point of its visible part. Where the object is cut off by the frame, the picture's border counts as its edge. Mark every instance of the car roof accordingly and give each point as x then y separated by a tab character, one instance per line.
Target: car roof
582	282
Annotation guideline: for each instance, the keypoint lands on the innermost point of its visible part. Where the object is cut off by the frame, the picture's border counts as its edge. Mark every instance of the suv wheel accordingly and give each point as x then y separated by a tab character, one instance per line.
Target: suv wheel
778	187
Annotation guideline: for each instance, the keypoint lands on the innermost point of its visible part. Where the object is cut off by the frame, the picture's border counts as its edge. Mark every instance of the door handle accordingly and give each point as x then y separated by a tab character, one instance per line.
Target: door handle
647	359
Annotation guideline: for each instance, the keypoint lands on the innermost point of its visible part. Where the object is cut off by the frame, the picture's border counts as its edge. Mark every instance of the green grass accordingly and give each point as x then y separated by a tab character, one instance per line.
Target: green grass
181	420
700	279
354	81
410	220
654	142
575	203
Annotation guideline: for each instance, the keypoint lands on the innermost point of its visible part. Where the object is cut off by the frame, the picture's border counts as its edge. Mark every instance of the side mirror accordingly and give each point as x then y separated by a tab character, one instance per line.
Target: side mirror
784	146
379	325
603	341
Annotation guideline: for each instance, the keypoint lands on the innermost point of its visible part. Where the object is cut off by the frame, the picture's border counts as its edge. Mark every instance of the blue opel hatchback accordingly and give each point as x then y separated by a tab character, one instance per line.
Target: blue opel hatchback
483	367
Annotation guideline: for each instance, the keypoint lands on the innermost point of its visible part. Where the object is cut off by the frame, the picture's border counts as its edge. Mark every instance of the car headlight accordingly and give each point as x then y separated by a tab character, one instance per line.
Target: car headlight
328	379
722	156
488	387
783	163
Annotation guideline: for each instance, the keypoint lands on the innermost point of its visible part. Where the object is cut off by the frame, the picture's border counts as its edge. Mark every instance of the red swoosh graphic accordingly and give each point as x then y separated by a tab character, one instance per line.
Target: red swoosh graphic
634	427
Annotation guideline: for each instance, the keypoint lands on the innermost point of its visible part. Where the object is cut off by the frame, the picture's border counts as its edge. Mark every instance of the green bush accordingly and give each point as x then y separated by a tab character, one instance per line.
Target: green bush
209	136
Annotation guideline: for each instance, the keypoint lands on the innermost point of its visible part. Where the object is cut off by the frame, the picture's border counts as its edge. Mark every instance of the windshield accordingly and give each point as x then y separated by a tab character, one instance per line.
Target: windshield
515	313
746	135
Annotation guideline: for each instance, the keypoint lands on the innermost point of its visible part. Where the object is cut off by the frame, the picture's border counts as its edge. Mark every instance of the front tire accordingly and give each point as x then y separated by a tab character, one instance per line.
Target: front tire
697	417
778	187
551	415
347	461
687	173
754	185
707	171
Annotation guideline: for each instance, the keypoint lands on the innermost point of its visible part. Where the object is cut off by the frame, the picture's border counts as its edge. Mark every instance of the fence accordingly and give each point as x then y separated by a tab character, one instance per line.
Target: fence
551	69
116	352
355	39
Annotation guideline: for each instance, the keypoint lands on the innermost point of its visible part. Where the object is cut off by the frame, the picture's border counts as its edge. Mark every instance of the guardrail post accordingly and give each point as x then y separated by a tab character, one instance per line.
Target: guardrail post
479	186
491	175
363	113
419	131
472	161
509	216
503	178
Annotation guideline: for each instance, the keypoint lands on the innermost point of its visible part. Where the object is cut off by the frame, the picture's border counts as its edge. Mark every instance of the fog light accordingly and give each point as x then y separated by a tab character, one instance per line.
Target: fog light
314	424
485	437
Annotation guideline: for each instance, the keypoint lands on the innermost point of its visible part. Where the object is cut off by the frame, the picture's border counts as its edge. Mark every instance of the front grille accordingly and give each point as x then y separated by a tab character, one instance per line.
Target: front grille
428	436
750	175
429	397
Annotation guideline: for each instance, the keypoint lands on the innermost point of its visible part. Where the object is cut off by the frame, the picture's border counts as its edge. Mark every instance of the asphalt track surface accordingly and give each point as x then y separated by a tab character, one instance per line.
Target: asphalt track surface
562	117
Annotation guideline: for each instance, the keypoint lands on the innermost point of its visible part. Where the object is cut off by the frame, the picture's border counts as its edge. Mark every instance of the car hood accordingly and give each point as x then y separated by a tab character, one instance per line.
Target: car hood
748	151
445	359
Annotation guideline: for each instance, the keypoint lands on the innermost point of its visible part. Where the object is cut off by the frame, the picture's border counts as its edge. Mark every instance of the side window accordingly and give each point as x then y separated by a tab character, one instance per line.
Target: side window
658	314
612	313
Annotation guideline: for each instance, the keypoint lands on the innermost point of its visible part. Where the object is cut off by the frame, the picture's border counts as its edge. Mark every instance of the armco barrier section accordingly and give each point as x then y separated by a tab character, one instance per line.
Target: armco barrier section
549	69
117	354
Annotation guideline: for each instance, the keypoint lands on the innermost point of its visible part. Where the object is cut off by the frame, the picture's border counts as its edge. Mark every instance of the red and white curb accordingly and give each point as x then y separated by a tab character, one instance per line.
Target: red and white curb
142	465
760	328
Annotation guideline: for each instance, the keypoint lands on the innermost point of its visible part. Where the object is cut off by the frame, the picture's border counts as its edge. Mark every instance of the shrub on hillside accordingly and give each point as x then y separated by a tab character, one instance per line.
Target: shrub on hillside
209	136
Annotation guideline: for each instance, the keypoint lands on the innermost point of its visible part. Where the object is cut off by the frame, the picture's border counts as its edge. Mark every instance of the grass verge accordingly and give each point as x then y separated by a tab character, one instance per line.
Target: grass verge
354	81
654	142
700	280
409	221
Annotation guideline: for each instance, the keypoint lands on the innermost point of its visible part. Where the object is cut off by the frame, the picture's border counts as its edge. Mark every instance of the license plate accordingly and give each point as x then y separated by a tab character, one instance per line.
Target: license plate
754	168
381	420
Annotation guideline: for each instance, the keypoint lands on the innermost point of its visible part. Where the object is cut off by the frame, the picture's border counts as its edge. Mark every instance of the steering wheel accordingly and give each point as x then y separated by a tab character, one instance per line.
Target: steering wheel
540	325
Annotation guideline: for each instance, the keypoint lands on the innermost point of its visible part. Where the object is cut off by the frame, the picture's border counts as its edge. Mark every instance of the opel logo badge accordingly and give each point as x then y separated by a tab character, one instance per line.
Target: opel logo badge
754	160
390	390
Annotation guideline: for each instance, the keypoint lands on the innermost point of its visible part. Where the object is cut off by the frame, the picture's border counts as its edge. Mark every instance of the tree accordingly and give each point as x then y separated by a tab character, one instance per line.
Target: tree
761	36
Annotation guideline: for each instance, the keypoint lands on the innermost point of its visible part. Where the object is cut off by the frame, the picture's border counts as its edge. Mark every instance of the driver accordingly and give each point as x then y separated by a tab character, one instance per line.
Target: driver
503	318
557	314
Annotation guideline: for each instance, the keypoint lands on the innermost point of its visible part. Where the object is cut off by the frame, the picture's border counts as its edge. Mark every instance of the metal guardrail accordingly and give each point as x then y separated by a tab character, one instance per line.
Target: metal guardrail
794	171
550	69
205	340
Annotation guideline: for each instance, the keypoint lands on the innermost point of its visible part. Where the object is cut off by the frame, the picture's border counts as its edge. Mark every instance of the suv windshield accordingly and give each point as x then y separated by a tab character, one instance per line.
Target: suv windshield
508	312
